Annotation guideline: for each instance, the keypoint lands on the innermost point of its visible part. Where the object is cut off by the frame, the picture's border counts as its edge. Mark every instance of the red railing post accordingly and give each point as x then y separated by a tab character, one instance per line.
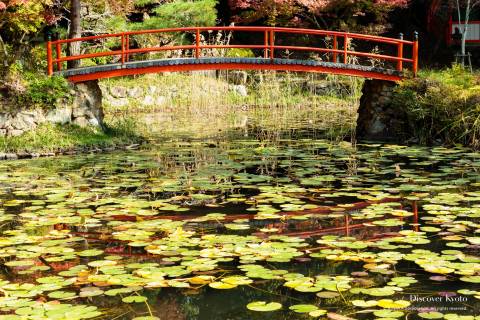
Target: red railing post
400	53
347	225
123	48
345	49
49	55
335	47
127	47
415	54
197	44
265	52
59	55
272	43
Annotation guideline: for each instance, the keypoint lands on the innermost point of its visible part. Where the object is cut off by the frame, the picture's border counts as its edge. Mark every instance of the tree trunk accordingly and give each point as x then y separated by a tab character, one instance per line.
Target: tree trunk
75	32
465	29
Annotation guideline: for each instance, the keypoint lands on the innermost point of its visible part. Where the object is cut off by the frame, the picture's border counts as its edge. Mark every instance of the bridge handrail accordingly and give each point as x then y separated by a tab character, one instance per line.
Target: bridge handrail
268	46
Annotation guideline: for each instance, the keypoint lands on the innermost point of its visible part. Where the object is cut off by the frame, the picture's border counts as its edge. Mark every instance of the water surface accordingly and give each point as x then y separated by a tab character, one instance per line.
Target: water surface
199	229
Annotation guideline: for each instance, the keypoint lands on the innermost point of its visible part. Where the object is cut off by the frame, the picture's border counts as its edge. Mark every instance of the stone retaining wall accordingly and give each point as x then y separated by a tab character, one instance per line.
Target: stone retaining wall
85	109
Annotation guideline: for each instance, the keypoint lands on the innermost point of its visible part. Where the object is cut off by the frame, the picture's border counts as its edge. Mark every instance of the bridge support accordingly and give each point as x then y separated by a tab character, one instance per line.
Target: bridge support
87	104
377	119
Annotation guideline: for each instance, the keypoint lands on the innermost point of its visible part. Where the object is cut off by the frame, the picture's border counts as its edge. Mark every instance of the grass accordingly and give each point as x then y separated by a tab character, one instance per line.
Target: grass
442	106
54	138
199	105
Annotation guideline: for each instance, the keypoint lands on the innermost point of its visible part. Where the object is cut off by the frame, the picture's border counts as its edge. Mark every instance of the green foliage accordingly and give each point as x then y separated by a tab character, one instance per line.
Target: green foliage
115	24
45	91
142	3
19	22
240	53
442	105
23	17
181	14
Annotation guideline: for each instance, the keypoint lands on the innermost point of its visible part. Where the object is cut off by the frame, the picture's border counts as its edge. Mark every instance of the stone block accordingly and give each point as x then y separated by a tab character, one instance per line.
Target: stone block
81	122
152	90
60	115
240	90
238	77
118	92
10	156
136	92
160	100
148	101
15	132
120	102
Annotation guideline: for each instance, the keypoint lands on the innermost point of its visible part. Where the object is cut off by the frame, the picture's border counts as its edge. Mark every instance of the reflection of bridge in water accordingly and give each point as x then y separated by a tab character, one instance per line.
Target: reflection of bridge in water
375	57
311	228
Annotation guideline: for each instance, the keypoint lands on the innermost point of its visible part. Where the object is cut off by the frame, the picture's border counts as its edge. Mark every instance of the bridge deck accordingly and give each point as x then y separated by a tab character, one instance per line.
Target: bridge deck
339	52
186	64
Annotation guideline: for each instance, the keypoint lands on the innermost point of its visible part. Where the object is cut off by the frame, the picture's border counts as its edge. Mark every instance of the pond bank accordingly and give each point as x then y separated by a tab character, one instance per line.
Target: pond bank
51	140
138	108
440	107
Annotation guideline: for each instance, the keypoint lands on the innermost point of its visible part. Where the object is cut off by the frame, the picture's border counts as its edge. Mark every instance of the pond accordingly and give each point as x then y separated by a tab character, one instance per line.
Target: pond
243	227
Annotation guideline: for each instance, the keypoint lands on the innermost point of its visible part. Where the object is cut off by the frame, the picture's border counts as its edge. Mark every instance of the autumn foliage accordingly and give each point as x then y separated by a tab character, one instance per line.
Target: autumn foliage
325	14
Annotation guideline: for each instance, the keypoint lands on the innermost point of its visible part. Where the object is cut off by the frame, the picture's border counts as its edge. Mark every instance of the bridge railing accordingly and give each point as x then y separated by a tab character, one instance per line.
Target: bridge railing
339	48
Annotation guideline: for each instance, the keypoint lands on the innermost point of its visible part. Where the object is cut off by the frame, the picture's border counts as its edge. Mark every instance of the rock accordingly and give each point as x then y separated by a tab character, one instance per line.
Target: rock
94	122
48	154
88	103
152	90
15	132
23	121
60	115
238	77
4	118
132	146
10	156
122	102
160	100
377	126
23	155
82	112
148	101
3	132
135	92
118	92
240	90
81	122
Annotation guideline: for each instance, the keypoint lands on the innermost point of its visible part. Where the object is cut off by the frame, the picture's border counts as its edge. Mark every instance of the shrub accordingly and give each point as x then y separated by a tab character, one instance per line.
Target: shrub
44	91
442	105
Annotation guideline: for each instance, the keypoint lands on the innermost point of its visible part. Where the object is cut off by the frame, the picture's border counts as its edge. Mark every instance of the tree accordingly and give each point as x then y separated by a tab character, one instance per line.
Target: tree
181	13
324	14
466	5
75	31
19	20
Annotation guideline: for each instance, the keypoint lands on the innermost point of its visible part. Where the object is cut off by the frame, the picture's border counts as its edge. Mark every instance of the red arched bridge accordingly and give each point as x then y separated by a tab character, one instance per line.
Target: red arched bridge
331	52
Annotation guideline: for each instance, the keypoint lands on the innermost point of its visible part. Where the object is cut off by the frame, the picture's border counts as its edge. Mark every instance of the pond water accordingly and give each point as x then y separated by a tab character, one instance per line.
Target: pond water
243	228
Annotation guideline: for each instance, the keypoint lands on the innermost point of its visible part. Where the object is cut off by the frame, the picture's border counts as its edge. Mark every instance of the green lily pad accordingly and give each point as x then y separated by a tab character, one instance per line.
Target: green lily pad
263	306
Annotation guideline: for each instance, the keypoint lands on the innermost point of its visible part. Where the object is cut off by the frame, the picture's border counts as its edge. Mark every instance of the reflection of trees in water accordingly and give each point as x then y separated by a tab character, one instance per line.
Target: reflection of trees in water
170	308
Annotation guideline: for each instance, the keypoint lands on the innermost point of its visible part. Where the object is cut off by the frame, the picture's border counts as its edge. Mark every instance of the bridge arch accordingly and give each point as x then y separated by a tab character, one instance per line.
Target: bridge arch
382	60
385	60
